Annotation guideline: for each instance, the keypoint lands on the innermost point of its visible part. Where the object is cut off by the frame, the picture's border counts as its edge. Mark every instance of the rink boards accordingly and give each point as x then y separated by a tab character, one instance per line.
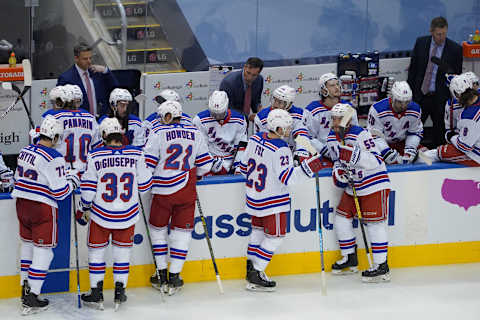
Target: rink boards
433	219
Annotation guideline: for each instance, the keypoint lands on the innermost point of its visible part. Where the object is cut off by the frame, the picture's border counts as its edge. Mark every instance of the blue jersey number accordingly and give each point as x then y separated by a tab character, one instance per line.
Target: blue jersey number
172	162
262	176
111	187
83	145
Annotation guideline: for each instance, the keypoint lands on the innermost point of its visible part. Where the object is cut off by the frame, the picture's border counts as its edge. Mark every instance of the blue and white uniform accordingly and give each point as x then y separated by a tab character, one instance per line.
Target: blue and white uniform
453	112
135	134
153	120
468	138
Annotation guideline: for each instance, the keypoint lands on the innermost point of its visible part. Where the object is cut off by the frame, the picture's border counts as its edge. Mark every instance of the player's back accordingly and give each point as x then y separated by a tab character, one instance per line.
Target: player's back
173	151
79	136
114	177
153	120
40	175
263	158
469	132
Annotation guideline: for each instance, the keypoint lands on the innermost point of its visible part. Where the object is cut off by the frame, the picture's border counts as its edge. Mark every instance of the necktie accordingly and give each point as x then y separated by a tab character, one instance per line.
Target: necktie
89	93
428	72
247	101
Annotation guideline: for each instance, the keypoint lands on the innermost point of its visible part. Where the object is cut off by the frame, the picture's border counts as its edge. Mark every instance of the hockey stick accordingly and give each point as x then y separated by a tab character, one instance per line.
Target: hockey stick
27	82
320	235
17	90
241	144
75	232
151	245
343	124
207	237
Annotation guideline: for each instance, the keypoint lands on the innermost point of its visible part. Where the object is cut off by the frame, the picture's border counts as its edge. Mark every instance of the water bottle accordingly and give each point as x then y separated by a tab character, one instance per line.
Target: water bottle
12	61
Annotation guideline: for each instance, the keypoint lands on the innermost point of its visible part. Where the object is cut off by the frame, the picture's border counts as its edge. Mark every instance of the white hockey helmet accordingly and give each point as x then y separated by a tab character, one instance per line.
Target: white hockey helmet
286	94
401	91
76	91
218	104
459	85
63	93
169	107
167	95
279	118
51	127
119	94
472	77
109	126
343	112
322	83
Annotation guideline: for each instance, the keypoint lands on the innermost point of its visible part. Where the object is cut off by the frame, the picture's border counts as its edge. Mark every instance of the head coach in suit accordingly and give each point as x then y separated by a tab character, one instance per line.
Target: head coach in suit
95	81
244	88
432	57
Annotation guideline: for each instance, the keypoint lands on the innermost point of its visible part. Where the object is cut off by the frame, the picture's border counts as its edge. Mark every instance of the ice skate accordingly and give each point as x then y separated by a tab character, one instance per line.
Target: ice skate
347	265
160	283
379	273
175	283
249	268
95	298
31	304
258	281
25	288
120	296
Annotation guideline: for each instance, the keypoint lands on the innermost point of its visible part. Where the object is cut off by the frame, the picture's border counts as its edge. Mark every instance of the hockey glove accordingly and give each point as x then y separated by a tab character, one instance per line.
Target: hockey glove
6	177
217	164
299	156
392	157
349	155
82	217
409	155
312	165
340	176
72	178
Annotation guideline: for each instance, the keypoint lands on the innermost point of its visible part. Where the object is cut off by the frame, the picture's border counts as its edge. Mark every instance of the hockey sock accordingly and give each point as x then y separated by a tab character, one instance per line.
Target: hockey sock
256	237
26	255
42	257
377	232
160	246
265	251
179	240
345	234
96	265
121	264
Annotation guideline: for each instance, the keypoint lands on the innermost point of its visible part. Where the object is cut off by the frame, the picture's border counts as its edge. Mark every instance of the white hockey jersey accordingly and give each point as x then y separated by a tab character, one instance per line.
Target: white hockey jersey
223	137
172	153
153	120
135	134
111	183
317	121
268	167
369	174
40	175
453	112
468	139
79	136
406	126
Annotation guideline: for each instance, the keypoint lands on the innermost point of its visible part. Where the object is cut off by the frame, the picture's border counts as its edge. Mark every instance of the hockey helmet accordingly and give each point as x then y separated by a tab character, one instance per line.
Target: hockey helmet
459	85
167	95
279	118
119	94
401	96
109	126
322	83
218	104
284	96
173	108
51	128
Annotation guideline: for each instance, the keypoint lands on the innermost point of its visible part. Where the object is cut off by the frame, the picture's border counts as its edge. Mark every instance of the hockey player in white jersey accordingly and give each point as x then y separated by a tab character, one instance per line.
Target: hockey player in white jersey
119	108
268	167
398	119
317	113
6	177
358	163
225	132
176	154
282	98
453	109
80	127
110	186
464	147
153	119
41	180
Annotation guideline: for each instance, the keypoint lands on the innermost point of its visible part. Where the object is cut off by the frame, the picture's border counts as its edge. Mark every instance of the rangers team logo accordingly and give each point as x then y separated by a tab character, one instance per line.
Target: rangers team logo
268	79
189	84
157	85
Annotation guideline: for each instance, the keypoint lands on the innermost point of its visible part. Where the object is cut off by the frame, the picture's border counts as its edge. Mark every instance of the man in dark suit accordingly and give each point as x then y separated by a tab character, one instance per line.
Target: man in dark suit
432	57
95	81
244	88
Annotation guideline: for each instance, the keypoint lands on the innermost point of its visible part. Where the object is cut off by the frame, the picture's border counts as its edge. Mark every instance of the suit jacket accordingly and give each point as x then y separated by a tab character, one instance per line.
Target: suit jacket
232	84
452	59
103	84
